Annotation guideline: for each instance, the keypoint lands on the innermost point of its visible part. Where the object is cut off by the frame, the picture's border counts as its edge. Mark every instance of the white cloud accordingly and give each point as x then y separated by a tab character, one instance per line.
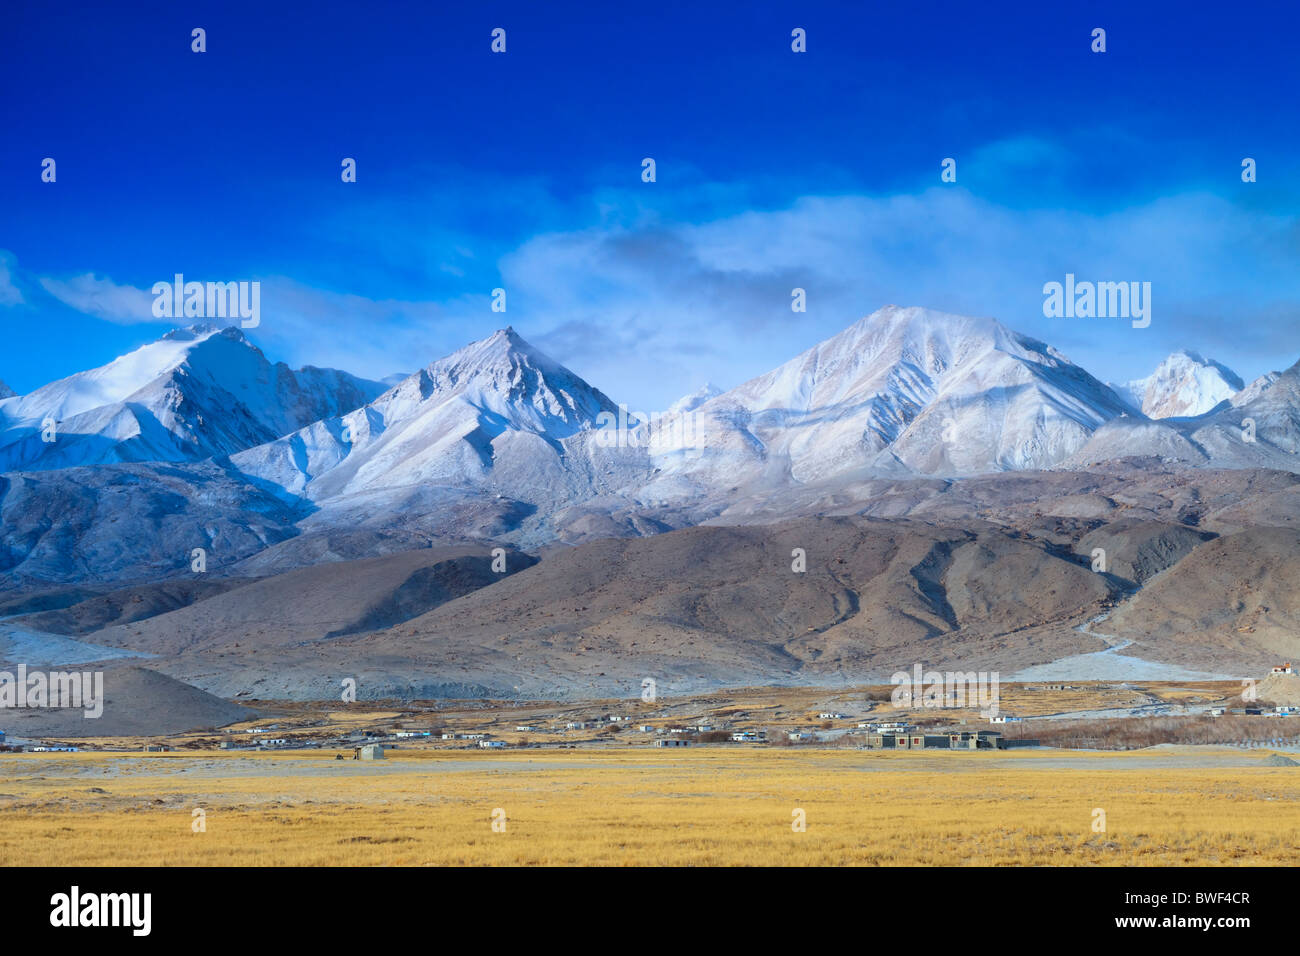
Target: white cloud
712	299
10	294
648	309
103	298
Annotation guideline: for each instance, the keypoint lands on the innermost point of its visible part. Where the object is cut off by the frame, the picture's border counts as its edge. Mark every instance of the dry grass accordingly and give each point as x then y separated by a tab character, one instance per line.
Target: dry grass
1134	733
621	807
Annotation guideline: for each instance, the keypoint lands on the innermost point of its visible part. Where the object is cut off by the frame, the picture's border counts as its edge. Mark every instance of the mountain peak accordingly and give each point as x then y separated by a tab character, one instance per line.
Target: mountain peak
505	370
200	330
197	391
1184	385
688	403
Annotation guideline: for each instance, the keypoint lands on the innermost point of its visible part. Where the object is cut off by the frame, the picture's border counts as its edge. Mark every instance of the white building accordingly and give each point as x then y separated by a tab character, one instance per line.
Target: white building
486	744
889	727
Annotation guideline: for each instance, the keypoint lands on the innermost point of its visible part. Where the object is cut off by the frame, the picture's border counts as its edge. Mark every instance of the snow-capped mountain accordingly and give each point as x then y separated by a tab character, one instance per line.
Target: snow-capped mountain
1264	430
190	395
1183	385
904	390
1259	427
6	391
497	411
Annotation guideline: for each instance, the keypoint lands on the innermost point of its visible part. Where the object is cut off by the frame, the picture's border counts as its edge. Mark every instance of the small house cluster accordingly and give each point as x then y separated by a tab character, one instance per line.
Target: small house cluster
952	740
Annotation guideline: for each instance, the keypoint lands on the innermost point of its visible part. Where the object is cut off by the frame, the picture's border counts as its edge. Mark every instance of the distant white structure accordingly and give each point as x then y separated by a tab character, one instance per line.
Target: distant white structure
748	737
646	729
490	744
1005	719
889	727
828	715
1282	669
672	742
525	728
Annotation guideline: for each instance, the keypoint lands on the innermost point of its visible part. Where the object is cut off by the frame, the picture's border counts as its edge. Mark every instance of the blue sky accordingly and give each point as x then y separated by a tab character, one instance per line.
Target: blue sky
522	170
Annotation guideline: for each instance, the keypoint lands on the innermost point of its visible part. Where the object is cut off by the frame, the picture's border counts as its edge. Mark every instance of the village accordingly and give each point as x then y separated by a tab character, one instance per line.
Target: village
860	718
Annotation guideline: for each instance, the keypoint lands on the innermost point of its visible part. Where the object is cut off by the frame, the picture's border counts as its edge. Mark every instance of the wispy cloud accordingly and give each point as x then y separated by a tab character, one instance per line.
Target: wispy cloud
103	298
648	303
10	294
674	297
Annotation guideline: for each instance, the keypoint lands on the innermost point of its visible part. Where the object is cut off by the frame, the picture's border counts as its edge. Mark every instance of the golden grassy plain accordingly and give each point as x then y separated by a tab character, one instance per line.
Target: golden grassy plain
700	806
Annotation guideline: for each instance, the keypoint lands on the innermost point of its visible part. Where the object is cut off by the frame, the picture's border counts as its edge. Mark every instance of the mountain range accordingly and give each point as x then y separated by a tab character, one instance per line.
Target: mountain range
967	445
196	393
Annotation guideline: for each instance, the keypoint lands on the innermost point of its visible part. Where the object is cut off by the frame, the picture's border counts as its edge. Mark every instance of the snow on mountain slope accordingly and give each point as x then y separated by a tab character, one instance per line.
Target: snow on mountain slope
193	394
1263	431
6	391
496	409
1254	389
904	390
1183	385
